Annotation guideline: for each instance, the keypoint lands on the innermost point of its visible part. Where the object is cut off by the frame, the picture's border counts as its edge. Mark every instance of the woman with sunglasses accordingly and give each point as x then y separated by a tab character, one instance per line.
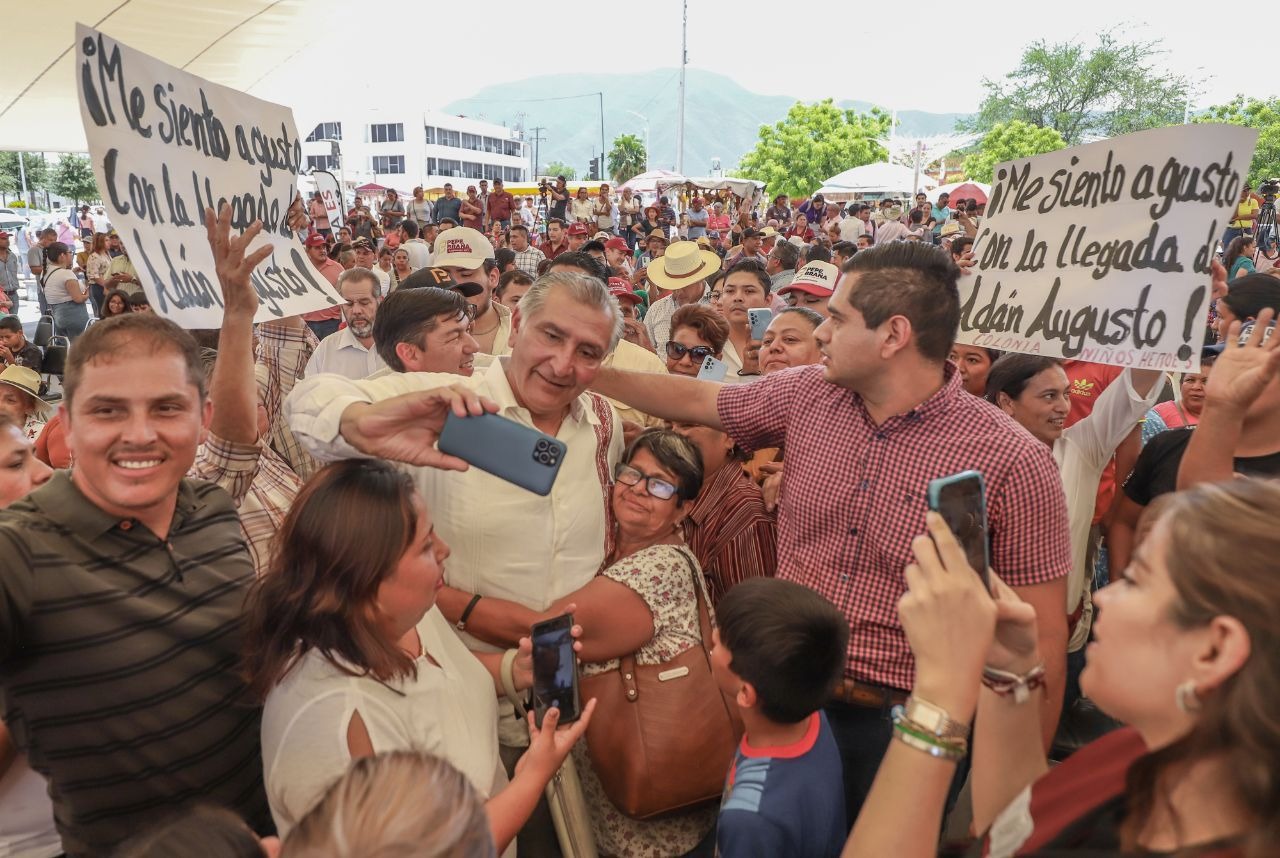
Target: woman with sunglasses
697	333
642	603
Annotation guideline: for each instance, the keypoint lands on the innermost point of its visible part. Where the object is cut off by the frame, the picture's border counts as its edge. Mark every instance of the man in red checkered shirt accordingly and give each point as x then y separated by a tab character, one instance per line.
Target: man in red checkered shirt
863	434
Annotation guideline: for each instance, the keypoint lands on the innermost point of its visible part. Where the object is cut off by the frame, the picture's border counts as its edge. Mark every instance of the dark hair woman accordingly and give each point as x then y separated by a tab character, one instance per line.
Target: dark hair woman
115	303
64	292
345	643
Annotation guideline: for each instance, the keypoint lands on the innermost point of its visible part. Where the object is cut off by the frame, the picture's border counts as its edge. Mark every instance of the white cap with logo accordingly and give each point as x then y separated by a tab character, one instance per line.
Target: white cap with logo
461	247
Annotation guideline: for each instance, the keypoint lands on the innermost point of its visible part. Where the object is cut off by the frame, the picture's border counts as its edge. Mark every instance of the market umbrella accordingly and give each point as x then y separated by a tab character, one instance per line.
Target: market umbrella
966	191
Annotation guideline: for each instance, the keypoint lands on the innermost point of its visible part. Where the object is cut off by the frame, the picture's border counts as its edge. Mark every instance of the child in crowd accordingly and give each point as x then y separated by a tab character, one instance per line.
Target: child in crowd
779	651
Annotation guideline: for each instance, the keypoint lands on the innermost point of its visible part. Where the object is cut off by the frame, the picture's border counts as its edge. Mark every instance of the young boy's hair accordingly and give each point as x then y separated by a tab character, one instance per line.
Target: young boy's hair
785	640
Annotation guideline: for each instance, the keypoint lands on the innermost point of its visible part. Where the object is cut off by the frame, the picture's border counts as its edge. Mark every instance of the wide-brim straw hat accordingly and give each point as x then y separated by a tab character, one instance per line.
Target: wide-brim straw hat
682	265
28	381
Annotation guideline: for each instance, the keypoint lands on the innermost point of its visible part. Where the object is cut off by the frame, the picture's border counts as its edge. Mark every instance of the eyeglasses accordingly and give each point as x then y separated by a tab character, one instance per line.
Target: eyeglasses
655	486
676	351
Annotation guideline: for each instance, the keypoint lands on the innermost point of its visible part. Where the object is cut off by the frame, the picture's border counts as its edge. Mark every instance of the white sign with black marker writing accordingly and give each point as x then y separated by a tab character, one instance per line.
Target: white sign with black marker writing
1102	252
165	144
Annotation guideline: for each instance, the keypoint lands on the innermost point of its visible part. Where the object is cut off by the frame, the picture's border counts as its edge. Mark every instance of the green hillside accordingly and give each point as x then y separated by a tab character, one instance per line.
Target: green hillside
722	119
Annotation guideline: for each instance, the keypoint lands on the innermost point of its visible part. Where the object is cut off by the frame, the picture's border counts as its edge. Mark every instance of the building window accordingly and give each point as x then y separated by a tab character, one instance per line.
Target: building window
431	133
449	167
386	132
471	141
322	162
387	164
326	131
431	167
512	174
449	138
492	171
472	170
512	148
493	145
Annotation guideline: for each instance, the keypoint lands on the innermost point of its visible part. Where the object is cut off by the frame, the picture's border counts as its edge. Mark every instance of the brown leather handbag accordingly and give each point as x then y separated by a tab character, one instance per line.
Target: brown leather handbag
663	736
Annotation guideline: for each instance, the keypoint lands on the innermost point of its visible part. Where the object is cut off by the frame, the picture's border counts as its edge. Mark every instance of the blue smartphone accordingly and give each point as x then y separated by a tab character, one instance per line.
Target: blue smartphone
555	669
961	500
712	369
759	320
507	449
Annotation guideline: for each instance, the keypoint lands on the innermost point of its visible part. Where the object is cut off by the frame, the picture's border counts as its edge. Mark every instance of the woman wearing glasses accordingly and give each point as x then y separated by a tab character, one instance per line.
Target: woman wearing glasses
697	332
642	603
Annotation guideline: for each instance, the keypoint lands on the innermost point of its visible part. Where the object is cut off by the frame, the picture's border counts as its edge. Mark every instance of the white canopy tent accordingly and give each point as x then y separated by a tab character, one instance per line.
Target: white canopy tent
237	43
647	183
876	179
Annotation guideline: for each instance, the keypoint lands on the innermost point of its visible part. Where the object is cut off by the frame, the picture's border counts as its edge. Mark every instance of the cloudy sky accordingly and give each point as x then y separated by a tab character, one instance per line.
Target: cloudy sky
917	55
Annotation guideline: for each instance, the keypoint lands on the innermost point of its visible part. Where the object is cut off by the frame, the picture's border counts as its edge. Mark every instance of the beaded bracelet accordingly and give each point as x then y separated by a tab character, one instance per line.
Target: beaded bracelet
916	737
1020	686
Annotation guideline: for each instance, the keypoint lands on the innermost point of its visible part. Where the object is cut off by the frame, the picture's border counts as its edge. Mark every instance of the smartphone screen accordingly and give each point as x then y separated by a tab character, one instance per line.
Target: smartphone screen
555	669
961	501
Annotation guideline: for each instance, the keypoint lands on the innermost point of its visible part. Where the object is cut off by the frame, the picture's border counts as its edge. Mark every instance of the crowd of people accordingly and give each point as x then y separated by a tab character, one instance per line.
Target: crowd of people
249	607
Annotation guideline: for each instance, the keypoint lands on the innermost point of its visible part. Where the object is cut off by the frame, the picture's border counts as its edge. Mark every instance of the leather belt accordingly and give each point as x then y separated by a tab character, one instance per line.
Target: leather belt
851	692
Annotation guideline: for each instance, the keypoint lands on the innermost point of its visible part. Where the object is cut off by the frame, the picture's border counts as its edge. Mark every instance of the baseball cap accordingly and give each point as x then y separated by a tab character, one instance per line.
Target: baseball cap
816	278
621	289
315	239
439	279
362	243
616	243
462	247
576	229
601	236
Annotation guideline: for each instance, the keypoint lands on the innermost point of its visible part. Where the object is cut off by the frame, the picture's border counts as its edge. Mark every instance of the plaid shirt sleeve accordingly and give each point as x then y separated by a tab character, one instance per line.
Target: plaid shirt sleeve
283	353
230	464
1027	516
755	415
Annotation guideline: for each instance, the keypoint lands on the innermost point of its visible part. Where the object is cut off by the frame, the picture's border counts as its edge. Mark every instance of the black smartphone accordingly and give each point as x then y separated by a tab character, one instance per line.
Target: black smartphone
961	500
507	449
555	669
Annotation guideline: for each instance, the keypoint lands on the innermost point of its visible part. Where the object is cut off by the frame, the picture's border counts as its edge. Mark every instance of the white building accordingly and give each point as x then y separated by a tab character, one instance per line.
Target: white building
402	149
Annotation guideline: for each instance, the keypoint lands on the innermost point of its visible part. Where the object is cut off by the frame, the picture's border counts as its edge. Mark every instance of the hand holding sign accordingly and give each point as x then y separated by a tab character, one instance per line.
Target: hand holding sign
235	268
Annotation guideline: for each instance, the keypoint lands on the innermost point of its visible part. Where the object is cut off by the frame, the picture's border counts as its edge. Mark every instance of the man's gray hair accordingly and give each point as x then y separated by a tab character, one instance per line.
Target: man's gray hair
582	288
357	273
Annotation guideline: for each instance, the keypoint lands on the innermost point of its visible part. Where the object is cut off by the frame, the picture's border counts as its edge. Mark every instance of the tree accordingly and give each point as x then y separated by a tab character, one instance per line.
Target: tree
814	142
1263	115
73	177
555	168
1111	89
1006	141
11	175
627	158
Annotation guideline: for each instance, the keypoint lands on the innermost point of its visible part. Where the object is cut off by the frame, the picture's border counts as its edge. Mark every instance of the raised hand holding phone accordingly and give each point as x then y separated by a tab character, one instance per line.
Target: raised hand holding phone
961	501
555	669
713	370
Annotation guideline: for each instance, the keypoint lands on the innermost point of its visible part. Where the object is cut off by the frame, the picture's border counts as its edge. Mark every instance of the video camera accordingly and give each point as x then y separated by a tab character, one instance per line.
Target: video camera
1269	188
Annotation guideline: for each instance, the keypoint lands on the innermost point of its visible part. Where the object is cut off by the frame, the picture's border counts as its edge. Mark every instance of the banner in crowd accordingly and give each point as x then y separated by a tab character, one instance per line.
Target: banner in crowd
1102	252
165	144
331	196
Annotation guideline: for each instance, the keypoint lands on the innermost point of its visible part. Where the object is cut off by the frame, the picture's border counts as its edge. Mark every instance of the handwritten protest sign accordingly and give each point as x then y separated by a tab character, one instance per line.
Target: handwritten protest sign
1102	252
165	144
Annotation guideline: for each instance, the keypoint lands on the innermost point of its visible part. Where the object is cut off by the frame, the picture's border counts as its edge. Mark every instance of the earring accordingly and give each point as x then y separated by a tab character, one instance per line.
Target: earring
1186	697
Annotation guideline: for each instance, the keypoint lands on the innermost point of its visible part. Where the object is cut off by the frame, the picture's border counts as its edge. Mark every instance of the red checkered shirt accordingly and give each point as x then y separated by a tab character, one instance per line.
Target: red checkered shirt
854	495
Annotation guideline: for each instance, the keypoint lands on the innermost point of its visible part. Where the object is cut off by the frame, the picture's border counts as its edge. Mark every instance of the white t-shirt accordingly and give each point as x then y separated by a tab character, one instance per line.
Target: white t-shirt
55	286
26	814
450	710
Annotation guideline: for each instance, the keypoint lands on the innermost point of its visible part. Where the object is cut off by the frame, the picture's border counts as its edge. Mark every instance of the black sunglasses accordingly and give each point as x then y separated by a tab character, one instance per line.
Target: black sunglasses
676	351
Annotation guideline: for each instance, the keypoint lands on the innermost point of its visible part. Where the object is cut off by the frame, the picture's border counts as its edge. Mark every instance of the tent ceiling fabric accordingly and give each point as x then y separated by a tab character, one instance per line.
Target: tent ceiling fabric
237	43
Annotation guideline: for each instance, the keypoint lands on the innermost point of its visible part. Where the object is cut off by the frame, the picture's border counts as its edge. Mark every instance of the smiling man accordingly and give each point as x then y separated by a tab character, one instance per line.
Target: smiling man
121	585
505	541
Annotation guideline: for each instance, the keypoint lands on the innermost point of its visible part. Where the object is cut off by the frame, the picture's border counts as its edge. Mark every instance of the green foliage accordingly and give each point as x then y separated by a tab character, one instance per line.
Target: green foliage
11	175
73	177
1006	141
18	204
814	142
1111	89
1263	115
555	168
626	158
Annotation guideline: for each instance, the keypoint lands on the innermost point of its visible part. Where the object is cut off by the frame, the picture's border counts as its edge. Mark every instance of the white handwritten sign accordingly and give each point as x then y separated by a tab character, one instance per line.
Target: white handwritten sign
1102	252
330	195
165	144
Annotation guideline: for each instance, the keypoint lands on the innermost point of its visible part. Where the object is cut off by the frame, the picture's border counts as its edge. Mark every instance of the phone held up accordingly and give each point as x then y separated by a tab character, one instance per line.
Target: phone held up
758	319
507	449
961	500
712	369
555	669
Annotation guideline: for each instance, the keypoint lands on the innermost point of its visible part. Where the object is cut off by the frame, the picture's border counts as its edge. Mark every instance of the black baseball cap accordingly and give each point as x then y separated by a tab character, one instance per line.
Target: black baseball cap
440	279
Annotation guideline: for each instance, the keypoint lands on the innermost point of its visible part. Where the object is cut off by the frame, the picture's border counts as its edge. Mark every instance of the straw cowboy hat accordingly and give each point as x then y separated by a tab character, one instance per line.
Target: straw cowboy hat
28	381
682	265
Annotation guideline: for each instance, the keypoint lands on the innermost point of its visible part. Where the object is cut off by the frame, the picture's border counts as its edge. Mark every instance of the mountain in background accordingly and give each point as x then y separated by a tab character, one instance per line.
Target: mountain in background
722	120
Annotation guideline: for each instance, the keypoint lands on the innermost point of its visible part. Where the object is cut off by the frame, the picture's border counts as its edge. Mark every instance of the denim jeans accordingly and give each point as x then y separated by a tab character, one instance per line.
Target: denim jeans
69	319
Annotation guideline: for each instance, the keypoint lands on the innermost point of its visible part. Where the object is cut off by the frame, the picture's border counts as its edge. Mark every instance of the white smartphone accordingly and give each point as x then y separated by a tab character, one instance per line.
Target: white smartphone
713	370
759	319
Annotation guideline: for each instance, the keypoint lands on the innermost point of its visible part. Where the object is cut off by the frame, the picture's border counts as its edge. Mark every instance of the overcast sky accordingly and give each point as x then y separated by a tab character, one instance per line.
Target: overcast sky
915	55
